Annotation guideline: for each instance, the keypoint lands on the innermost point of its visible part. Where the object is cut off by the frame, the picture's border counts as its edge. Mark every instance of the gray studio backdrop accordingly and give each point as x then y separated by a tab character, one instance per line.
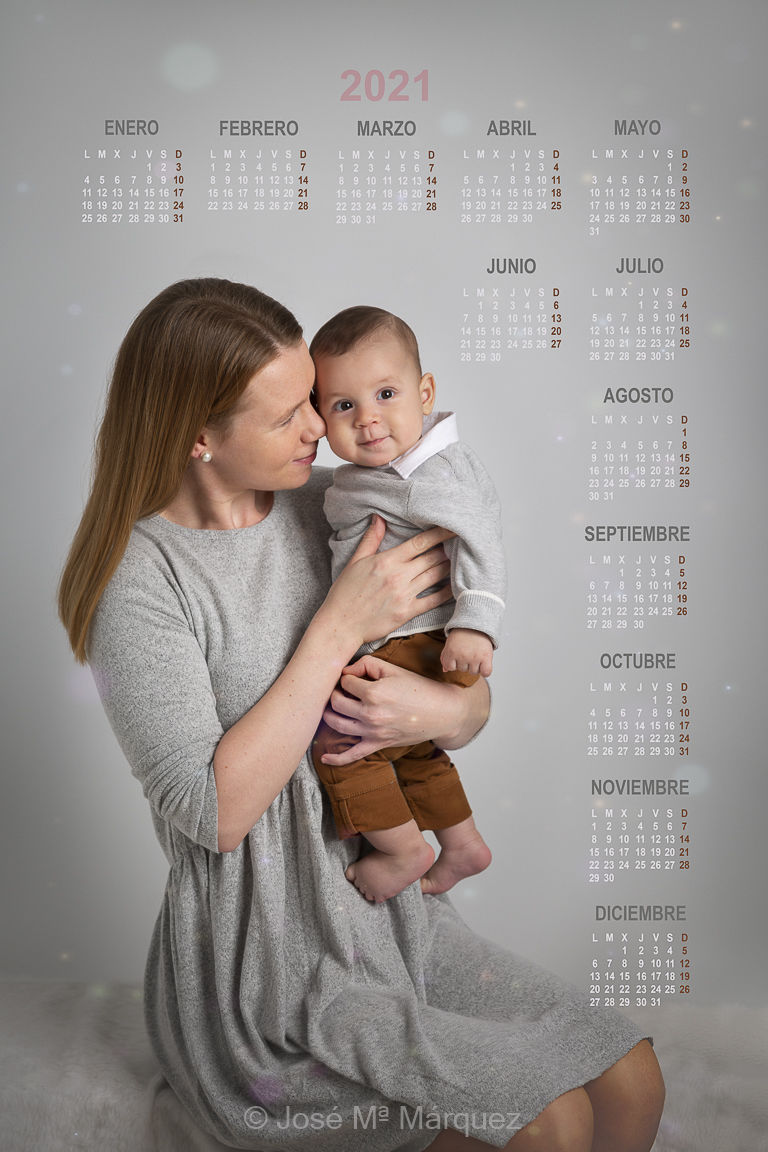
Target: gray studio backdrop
83	873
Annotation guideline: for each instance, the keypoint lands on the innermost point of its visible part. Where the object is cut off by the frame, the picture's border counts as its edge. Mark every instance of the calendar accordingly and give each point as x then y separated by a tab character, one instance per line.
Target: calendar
567	206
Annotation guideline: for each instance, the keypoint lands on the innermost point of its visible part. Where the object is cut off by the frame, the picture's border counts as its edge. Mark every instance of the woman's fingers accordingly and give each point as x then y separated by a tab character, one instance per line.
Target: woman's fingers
434	574
349	708
361	748
368	667
371	539
328	742
378	591
346	725
433	599
423	541
423	553
428	562
349	697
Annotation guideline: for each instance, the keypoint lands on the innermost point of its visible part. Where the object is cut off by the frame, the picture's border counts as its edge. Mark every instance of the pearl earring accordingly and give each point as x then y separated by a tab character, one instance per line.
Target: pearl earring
206	457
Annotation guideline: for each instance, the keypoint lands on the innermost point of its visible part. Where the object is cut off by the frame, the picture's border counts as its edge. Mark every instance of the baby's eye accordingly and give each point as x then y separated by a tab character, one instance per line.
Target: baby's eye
386	393
342	406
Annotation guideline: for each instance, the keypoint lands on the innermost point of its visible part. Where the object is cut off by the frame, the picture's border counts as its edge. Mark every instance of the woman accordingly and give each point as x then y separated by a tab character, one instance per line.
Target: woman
285	1010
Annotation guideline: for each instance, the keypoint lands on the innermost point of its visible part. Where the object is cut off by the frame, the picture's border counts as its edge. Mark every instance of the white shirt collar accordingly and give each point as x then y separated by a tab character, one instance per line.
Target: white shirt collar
438	431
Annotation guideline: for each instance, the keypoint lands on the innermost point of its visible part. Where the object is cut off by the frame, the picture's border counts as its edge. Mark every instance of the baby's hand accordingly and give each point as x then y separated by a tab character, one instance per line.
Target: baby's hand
467	651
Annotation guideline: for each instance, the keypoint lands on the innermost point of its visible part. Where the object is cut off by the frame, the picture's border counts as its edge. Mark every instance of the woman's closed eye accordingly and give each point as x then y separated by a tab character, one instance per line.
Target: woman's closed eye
297	409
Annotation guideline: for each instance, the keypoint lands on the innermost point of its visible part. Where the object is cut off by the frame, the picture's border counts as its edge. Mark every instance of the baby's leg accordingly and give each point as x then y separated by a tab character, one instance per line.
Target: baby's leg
433	790
463	852
364	796
400	855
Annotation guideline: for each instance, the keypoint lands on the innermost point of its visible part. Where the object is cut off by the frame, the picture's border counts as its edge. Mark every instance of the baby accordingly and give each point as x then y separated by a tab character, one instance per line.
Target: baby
407	465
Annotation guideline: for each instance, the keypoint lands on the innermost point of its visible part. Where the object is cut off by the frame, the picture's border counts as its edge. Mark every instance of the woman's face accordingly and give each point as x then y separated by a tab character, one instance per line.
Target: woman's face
271	439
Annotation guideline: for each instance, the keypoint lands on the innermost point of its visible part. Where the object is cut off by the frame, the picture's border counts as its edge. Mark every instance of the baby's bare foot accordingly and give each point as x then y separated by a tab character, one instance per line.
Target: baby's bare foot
456	862
380	876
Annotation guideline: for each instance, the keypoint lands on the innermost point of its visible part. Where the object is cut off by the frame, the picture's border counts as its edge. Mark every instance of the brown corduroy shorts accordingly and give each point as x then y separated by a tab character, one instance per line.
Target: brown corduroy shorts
394	785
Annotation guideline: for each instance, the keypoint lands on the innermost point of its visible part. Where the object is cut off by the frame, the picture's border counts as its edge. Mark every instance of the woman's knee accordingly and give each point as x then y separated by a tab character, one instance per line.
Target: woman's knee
565	1125
627	1102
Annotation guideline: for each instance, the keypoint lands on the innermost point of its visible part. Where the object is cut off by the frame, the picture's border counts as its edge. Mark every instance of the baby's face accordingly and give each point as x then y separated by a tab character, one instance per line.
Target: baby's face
373	400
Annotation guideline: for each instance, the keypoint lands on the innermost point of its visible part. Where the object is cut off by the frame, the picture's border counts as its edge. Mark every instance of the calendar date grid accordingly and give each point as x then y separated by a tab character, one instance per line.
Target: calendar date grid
257	179
133	186
497	323
649	718
640	967
649	838
624	593
651	452
509	185
374	183
640	322
638	185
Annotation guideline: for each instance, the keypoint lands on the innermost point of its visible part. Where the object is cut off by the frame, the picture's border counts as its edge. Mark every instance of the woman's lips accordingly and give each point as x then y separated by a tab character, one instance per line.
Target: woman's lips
307	459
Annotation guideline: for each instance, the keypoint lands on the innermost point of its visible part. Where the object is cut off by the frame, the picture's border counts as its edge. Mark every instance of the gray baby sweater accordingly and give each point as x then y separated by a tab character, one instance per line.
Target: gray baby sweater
438	482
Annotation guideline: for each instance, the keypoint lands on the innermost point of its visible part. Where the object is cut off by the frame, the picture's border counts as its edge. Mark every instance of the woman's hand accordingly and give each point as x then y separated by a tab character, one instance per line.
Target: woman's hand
378	591
379	705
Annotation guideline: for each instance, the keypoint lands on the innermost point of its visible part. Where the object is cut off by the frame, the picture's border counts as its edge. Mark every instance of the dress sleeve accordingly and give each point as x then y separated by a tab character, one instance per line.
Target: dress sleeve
153	681
458	494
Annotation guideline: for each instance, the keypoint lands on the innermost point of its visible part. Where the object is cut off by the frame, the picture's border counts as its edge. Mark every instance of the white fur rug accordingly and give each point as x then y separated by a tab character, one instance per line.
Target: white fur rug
77	1073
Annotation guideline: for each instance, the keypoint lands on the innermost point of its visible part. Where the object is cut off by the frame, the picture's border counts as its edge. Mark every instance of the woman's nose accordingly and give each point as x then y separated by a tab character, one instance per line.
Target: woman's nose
315	427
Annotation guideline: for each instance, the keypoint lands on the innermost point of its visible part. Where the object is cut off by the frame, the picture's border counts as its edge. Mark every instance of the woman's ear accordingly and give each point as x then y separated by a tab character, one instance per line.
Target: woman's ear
427	393
202	447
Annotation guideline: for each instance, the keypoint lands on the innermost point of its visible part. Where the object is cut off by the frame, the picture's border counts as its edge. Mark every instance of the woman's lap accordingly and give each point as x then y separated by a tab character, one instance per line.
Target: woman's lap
489	1034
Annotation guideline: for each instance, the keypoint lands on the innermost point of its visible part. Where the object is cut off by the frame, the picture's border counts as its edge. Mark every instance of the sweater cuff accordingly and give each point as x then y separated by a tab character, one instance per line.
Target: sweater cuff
481	611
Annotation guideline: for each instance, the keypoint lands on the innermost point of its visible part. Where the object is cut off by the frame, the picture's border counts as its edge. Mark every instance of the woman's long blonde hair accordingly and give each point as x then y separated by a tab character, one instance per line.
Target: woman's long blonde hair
183	365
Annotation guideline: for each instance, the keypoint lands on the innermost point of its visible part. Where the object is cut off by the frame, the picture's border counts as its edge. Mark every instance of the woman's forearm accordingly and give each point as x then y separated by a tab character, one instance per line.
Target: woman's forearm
258	755
471	713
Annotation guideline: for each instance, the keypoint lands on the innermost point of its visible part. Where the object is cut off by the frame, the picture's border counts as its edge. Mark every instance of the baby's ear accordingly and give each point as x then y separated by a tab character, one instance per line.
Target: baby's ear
427	393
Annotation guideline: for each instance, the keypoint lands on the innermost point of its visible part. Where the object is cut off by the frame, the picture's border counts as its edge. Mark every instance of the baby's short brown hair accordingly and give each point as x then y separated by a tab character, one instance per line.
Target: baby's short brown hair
347	328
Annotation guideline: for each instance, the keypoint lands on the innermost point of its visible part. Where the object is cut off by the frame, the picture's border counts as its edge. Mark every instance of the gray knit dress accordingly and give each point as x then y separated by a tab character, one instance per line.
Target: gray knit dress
285	1010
